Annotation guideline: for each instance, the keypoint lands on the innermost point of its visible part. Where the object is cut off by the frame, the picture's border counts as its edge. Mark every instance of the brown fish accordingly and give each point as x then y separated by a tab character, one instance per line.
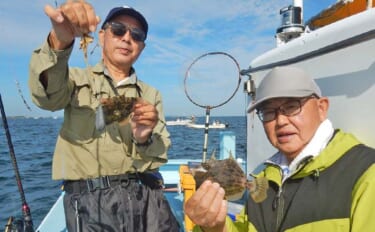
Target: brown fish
117	108
232	179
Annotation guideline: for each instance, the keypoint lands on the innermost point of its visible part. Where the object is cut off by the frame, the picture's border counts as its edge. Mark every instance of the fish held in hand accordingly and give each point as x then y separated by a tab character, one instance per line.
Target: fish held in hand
232	179
117	108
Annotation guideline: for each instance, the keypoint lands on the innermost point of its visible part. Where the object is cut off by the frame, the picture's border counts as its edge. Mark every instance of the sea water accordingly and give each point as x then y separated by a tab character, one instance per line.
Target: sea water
34	141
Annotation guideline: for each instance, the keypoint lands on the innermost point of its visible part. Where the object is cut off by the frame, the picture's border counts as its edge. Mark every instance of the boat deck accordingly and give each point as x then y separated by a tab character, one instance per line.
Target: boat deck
55	219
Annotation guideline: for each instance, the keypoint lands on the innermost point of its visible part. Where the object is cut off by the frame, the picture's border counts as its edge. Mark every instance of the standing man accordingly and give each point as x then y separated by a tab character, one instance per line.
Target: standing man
110	172
321	178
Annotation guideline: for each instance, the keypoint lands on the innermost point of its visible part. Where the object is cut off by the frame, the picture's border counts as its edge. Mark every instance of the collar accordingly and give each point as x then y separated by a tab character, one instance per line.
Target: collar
318	142
130	80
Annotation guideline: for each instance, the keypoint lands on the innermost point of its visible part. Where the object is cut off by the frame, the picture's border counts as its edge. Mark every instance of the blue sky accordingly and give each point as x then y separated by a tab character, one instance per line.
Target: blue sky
180	31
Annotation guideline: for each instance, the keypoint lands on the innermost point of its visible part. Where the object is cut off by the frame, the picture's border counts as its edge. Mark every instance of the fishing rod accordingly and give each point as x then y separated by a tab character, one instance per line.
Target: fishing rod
27	224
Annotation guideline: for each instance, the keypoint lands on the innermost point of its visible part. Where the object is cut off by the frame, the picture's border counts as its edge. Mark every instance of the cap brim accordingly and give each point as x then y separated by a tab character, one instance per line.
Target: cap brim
128	11
255	105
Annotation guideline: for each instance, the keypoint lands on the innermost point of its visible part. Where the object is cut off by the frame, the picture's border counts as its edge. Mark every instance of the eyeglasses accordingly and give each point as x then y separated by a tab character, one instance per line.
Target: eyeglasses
120	29
289	108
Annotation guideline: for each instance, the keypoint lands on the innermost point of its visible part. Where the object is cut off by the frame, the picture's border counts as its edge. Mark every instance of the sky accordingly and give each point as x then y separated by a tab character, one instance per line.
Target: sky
179	32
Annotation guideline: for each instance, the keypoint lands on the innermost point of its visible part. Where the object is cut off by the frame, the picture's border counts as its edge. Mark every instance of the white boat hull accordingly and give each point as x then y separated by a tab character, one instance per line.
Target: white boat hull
211	126
345	75
181	122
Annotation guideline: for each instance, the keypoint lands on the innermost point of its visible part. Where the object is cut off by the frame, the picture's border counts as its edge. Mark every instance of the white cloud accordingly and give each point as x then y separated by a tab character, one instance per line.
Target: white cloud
179	32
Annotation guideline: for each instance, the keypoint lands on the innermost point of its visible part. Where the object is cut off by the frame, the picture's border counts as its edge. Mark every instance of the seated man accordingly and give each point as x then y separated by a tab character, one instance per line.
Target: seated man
321	178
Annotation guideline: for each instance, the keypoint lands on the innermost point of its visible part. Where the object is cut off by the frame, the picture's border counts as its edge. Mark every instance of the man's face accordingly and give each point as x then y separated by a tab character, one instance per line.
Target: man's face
121	50
290	134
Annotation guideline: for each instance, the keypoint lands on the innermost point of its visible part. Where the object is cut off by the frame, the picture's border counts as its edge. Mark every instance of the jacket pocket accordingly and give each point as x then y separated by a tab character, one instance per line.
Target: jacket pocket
79	116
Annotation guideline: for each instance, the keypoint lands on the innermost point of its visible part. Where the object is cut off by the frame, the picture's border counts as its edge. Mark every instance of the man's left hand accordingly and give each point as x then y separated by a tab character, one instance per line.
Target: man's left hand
144	120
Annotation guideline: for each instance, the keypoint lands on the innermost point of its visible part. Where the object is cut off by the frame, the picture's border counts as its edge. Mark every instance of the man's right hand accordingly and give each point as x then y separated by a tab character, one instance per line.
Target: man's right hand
72	19
207	207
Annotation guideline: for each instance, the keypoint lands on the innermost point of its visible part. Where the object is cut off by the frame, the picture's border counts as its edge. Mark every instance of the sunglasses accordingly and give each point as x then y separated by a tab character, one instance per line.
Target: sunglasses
120	29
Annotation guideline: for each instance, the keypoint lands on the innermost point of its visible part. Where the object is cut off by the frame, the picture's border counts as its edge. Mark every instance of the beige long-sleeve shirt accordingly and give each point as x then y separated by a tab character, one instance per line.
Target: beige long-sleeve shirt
81	150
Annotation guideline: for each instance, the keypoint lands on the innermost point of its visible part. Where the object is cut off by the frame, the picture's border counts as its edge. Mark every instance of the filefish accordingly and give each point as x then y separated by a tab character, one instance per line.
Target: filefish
232	179
117	108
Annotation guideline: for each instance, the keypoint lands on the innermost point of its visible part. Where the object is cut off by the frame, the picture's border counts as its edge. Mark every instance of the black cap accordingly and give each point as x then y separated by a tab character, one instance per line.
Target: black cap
126	10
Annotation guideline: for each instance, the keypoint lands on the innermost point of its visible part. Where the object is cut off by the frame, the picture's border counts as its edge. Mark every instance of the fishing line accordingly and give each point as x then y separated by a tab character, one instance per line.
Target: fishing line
28	223
23	98
211	81
18	86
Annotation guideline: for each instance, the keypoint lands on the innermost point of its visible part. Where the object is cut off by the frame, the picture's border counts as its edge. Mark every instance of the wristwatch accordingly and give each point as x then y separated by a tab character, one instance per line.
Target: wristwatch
144	144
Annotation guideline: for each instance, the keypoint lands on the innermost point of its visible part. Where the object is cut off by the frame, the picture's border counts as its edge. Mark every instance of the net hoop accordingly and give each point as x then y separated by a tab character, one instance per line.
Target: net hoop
195	61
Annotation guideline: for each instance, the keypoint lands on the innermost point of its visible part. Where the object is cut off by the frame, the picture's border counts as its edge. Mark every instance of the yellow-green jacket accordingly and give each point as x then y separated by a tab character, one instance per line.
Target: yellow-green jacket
81	150
335	191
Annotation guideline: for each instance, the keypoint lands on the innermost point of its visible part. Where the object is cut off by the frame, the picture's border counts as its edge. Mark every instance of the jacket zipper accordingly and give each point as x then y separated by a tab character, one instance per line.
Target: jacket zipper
279	202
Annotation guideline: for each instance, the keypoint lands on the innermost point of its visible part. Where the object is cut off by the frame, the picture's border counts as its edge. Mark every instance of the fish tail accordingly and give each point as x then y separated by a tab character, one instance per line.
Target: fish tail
258	189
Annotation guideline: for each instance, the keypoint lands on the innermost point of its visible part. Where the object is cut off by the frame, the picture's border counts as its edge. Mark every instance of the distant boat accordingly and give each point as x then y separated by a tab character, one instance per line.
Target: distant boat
179	122
214	125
